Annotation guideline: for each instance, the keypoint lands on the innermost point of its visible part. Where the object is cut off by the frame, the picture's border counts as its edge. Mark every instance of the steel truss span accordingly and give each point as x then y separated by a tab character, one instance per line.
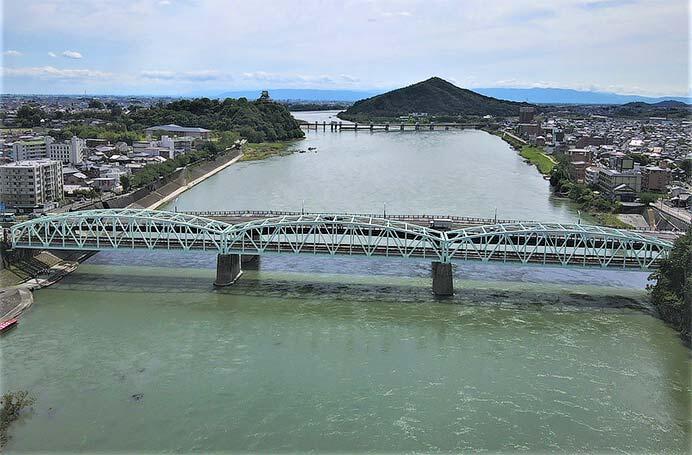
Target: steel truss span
569	245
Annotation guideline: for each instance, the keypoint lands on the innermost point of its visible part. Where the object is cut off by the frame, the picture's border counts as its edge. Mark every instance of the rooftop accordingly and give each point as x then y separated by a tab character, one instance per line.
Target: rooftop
177	129
29	163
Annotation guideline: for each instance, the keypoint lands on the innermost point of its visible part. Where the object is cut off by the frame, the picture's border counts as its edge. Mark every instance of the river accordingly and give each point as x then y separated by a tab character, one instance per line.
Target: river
137	351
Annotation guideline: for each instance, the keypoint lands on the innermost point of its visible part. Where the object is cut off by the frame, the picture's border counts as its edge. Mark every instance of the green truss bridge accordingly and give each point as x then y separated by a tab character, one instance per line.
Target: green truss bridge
556	244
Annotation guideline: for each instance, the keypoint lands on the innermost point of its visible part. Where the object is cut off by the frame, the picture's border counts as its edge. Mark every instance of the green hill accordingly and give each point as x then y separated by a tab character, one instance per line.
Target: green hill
434	96
257	121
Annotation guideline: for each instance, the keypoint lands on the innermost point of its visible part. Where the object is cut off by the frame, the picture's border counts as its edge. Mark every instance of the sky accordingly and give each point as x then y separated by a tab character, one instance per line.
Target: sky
181	47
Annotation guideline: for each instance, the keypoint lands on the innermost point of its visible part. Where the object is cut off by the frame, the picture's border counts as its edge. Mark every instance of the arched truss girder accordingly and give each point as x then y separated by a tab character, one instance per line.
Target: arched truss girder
120	228
336	234
556	243
546	243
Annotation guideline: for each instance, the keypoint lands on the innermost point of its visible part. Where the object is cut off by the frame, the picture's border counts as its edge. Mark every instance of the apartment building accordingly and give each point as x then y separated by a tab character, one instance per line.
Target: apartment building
31	149
610	180
71	152
31	184
655	178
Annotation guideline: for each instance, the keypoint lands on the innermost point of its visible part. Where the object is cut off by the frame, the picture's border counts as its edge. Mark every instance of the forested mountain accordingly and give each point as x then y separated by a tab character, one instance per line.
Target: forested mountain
668	109
434	96
257	121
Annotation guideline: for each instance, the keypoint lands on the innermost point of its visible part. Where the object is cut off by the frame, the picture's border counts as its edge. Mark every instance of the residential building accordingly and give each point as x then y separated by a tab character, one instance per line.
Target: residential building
31	184
610	179
591	175
577	154
577	170
655	178
71	152
31	149
526	114
176	145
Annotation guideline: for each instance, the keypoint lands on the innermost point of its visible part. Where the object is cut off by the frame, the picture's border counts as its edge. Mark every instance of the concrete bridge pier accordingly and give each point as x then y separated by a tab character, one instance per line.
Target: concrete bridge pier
401	127
442	282
386	127
228	269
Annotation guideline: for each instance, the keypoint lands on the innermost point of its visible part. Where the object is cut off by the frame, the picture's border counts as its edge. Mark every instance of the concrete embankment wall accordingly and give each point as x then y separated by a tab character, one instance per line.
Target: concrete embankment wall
146	196
13	302
190	175
664	221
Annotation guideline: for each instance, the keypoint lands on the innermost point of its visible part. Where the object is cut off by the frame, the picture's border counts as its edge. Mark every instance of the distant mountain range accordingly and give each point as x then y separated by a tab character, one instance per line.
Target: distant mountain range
433	96
529	95
569	96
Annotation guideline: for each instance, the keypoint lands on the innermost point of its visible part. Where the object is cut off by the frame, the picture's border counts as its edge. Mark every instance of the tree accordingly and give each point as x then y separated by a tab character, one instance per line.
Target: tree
29	116
95	104
672	293
12	404
686	166
125	182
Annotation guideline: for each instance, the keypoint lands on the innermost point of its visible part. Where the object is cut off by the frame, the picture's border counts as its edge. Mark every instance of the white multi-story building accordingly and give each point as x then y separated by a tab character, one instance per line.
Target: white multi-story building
31	149
31	184
71	152
176	145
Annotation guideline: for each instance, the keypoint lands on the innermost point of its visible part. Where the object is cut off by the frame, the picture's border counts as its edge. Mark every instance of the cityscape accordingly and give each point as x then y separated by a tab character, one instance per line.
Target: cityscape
299	252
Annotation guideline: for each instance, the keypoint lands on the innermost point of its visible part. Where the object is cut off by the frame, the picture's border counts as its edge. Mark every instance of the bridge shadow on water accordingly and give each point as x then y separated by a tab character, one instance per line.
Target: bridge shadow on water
372	290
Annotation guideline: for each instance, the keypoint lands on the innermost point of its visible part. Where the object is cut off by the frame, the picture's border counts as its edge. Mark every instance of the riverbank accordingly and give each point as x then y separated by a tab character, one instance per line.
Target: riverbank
198	180
30	270
264	150
182	180
13	302
533	155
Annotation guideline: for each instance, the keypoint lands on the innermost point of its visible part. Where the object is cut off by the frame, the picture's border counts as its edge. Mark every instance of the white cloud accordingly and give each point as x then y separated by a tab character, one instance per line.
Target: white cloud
299	80
72	54
52	54
50	72
164	2
397	13
12	53
570	42
191	76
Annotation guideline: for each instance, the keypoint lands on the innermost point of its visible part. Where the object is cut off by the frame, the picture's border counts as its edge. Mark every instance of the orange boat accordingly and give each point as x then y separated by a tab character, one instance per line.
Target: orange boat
9	324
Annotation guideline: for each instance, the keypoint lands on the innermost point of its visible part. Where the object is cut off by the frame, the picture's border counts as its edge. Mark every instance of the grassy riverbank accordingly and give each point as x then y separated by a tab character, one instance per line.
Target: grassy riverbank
264	150
509	139
535	156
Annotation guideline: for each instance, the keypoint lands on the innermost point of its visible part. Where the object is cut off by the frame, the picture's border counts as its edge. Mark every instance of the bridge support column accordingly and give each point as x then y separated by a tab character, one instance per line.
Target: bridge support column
227	269
442	282
249	261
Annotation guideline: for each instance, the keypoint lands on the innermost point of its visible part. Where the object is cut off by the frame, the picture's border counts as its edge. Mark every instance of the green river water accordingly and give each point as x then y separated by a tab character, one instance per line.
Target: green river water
136	352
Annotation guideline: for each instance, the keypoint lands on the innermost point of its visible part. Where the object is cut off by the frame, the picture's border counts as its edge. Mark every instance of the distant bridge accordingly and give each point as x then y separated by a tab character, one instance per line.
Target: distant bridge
566	245
393	126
